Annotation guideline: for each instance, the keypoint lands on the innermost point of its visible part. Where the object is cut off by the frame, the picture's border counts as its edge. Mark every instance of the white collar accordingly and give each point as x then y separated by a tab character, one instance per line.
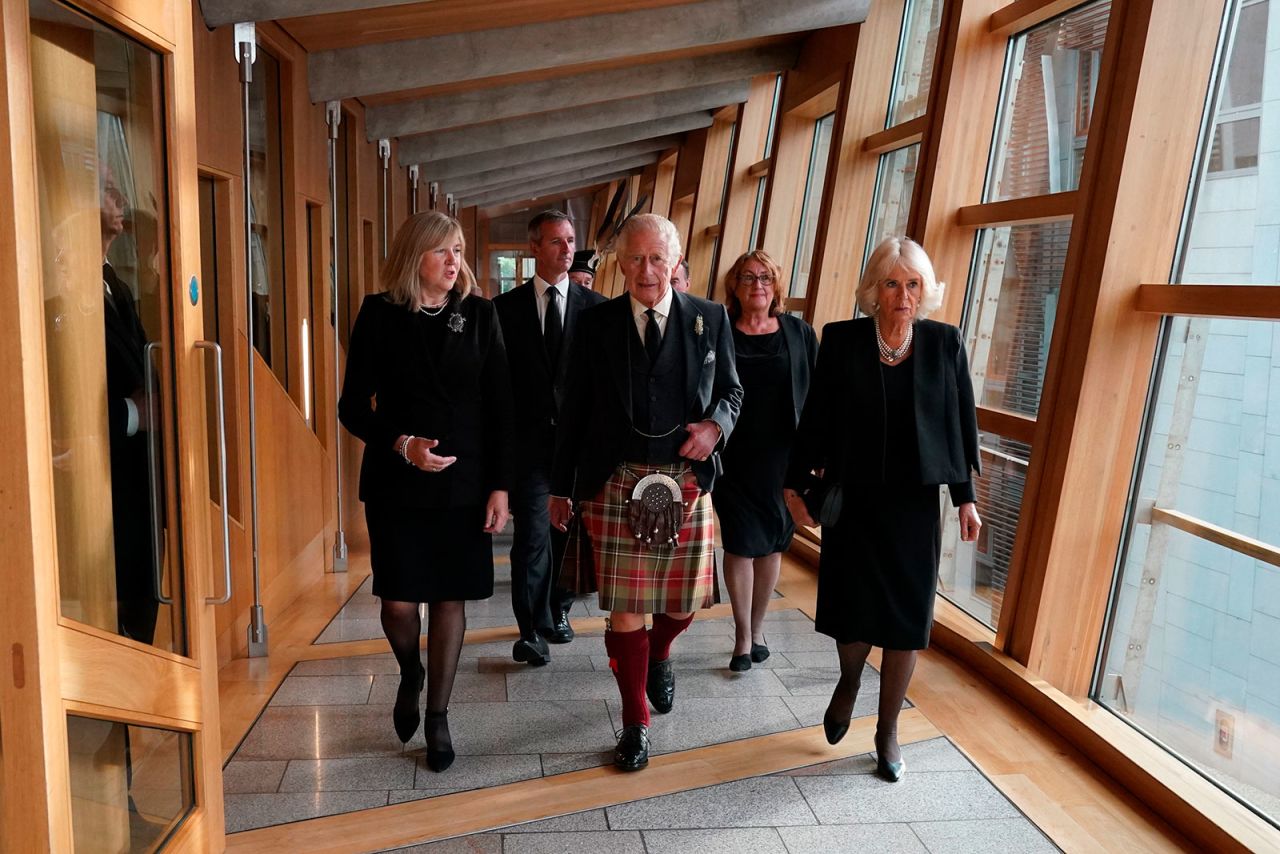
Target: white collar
541	286
662	309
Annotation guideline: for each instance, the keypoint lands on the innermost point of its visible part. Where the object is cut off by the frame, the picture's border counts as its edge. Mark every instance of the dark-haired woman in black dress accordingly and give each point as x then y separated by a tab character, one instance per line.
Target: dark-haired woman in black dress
775	355
427	390
891	416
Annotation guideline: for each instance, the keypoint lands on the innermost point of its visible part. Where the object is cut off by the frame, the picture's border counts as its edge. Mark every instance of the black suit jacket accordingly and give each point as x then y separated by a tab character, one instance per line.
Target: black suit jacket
538	387
842	428
595	421
463	401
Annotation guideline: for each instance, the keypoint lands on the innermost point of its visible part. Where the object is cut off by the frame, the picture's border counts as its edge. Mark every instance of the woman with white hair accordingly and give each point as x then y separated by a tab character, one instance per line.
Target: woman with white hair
890	416
436	460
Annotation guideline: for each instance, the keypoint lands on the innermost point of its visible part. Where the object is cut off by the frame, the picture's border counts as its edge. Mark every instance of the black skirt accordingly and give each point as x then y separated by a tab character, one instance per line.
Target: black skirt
878	572
429	555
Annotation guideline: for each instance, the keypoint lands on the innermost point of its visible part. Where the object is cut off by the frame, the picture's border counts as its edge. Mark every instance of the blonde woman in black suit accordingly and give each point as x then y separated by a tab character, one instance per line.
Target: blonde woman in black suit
436	462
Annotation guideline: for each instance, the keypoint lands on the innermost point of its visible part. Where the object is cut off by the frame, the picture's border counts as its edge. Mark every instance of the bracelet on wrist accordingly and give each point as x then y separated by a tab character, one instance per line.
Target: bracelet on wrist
404	449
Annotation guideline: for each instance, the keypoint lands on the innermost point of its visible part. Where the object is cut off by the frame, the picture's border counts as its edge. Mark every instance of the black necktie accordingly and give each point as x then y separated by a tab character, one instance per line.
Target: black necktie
652	335
552	327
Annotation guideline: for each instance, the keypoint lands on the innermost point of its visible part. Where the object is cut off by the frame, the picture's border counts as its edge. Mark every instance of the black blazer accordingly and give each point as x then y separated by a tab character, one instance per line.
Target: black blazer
844	416
464	401
537	386
595	421
802	349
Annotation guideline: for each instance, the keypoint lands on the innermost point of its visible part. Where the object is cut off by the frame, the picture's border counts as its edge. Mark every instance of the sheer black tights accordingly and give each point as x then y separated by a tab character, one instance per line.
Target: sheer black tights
896	667
446	625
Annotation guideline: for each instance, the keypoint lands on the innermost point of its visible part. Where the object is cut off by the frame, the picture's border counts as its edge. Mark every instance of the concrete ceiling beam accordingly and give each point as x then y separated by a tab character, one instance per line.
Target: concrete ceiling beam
535	190
516	155
522	99
471	184
585	175
416	63
558	123
219	12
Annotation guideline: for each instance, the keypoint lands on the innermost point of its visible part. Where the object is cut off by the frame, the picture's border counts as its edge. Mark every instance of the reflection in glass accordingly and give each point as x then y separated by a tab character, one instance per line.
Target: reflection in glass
131	786
1193	645
266	207
98	109
808	232
1013	301
916	54
1050	80
974	575
895	181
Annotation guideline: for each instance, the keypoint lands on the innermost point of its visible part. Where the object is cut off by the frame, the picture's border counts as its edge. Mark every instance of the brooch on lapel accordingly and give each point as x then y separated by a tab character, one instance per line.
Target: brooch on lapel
456	322
697	325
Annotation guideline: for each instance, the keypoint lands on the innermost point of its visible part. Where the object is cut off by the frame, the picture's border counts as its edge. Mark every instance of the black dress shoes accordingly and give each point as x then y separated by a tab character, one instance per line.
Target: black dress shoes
759	652
890	771
532	651
561	632
740	663
835	729
632	752
405	713
661	685
439	756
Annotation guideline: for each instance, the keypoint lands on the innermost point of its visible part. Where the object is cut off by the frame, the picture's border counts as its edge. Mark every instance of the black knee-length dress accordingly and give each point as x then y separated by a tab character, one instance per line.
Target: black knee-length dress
879	565
754	521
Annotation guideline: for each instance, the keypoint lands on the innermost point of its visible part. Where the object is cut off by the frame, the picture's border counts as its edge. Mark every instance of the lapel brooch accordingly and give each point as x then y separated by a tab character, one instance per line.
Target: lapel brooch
697	325
456	322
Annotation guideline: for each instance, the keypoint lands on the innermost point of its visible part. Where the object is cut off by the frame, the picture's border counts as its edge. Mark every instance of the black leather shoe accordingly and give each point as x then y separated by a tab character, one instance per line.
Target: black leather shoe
890	771
561	632
759	652
834	729
405	713
531	651
632	752
740	663
661	685
437	725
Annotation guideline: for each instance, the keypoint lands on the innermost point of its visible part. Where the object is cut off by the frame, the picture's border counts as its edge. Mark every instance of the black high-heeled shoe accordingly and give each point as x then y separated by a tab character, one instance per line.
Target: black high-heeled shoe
889	771
759	652
835	729
437	759
405	714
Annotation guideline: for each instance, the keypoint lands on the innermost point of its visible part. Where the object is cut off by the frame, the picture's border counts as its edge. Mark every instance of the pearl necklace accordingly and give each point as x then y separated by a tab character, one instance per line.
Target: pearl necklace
438	308
890	354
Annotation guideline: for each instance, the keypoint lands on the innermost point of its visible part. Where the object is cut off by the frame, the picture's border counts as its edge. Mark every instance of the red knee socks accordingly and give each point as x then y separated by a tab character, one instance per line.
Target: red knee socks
665	630
629	660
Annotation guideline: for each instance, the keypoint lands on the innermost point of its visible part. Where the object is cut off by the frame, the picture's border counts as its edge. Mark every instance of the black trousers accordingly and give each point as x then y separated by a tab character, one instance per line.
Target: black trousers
537	553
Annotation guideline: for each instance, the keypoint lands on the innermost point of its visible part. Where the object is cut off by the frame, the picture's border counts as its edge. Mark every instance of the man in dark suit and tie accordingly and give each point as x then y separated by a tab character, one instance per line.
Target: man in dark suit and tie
129	418
538	320
653	396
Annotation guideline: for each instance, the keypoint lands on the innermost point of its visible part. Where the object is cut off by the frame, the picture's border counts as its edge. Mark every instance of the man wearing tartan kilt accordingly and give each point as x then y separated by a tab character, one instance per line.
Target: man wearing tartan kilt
653	391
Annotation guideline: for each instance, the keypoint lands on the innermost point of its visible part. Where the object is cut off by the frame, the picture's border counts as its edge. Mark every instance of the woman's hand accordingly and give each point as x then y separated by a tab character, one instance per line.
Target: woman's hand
419	453
561	511
496	513
796	506
970	524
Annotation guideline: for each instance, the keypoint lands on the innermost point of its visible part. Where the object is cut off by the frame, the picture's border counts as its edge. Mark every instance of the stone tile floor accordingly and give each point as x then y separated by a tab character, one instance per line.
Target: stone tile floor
943	806
325	745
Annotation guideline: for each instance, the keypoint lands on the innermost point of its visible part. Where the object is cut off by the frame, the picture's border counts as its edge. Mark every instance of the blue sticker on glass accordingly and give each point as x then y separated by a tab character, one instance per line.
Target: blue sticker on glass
194	289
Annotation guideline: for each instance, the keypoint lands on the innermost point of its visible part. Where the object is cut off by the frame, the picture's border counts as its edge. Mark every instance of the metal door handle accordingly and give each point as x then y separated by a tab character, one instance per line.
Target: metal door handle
222	475
157	549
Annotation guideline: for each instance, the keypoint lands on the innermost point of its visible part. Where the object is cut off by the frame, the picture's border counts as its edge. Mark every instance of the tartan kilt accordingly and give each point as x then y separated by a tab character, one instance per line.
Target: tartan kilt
651	579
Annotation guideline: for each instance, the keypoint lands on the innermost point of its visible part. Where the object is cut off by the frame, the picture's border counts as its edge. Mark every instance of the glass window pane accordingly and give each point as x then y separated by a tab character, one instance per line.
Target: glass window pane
98	110
1234	230
266	206
757	211
131	785
895	181
916	54
1043	123
808	232
773	117
1013	300
1192	655
974	575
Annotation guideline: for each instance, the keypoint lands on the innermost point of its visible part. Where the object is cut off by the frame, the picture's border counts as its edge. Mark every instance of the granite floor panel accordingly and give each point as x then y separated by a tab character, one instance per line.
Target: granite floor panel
253	777
920	796
561	763
755	802
582	842
245	812
880	838
475	772
977	836
323	691
468	687
344	775
699	721
747	840
588	820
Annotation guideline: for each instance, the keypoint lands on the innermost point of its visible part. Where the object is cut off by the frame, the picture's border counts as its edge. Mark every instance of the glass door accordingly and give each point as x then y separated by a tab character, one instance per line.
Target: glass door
126	414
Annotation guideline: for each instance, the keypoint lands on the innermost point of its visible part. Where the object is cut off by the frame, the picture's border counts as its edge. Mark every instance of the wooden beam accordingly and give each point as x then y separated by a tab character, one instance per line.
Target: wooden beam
1255	549
1024	14
1053	207
760	168
1240	301
898	136
1010	425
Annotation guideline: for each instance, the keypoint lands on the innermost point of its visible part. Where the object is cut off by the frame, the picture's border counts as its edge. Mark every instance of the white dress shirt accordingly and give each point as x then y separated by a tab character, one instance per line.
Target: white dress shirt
661	312
541	286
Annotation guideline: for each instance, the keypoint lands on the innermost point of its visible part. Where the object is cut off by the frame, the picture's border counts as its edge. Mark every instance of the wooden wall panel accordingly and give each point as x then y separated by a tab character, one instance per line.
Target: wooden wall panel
700	251
740	202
